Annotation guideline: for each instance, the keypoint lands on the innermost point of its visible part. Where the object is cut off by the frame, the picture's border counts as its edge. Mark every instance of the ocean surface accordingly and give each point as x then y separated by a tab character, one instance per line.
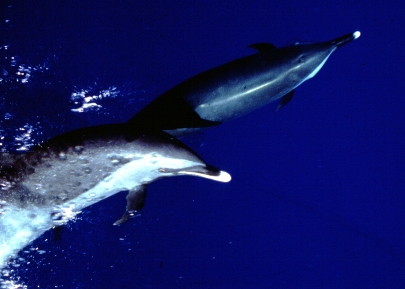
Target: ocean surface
317	198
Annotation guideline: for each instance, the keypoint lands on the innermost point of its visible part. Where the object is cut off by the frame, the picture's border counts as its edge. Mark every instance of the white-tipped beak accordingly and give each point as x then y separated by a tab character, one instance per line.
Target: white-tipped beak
223	176
356	34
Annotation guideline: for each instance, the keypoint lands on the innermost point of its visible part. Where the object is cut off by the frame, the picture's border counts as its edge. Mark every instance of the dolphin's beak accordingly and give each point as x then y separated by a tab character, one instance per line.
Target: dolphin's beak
339	42
208	172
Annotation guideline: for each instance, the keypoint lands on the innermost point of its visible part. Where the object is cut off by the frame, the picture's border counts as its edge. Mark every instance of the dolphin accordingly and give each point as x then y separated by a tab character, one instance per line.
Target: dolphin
52	183
238	87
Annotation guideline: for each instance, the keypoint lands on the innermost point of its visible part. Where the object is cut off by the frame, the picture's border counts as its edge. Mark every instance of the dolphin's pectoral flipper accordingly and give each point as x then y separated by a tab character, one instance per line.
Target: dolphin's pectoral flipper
263	47
285	99
135	202
136	198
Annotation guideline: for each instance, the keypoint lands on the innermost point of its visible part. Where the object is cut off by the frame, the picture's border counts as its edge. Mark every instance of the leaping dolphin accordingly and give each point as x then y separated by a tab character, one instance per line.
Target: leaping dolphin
51	184
238	87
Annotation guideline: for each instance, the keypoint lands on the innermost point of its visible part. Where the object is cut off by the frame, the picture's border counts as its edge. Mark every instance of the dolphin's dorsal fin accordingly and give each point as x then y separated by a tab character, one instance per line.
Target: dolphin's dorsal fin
135	202
263	47
285	99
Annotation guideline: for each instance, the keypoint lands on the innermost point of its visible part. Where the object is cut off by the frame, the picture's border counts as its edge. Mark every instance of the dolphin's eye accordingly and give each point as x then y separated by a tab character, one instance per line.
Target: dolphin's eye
301	59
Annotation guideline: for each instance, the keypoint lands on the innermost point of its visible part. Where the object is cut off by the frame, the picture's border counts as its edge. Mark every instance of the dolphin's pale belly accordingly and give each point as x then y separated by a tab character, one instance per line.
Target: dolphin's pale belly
229	102
131	175
240	87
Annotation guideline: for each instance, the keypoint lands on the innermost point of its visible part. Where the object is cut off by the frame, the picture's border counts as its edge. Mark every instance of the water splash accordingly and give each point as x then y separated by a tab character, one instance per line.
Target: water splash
9	281
15	71
85	101
24	140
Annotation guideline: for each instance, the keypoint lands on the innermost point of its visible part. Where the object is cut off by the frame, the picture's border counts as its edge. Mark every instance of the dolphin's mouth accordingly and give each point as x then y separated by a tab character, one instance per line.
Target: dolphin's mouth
220	176
207	172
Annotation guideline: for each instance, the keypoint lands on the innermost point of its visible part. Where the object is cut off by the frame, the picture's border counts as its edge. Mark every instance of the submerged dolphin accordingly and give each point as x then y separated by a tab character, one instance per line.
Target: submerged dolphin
52	183
238	87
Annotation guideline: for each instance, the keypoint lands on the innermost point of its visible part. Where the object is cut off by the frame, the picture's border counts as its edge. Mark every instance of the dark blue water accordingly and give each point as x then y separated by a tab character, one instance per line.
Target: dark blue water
317	196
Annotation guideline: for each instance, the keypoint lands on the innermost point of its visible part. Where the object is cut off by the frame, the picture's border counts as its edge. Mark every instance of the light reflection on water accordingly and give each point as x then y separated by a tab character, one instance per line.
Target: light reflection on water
84	101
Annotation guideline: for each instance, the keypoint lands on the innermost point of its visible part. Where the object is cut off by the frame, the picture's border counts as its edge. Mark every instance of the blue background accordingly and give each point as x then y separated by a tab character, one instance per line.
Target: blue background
317	195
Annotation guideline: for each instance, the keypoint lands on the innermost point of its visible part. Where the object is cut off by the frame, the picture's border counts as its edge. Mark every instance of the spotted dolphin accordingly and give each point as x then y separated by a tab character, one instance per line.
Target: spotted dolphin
56	180
238	87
